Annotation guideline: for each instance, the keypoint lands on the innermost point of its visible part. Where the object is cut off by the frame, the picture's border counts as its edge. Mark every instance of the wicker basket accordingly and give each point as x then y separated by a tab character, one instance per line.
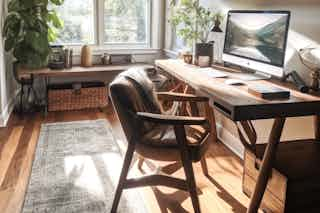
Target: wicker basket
77	96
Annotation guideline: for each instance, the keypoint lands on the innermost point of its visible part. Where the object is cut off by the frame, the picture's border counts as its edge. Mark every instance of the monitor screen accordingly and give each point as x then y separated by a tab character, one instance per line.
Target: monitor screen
258	35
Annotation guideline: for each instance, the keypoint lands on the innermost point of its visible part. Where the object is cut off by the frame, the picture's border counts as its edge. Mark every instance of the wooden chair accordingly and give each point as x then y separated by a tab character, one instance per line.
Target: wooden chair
158	135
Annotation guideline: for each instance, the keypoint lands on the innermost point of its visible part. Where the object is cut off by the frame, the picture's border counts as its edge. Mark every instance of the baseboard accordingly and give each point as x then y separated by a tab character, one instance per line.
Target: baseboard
5	115
231	141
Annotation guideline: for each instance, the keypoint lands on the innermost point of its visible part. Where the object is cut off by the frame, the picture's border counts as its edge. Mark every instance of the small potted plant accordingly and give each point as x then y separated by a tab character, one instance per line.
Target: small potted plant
28	30
193	23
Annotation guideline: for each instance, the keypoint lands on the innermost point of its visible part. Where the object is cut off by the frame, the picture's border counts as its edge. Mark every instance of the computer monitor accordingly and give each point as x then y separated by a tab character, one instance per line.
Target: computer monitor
257	40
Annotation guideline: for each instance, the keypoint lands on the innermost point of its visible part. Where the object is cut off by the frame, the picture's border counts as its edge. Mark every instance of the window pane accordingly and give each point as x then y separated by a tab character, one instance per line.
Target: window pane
125	21
78	17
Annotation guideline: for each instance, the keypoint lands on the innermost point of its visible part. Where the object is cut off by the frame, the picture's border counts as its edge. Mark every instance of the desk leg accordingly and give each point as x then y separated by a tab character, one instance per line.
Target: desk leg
266	166
210	115
317	127
46	80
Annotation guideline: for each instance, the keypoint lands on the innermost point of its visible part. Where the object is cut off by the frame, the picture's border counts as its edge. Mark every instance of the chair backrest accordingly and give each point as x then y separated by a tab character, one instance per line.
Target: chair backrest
132	91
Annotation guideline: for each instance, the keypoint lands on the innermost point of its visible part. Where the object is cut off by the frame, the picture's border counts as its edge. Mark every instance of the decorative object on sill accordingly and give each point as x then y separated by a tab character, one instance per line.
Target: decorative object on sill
188	58
30	47
192	22
86	56
121	59
77	96
56	57
68	58
186	55
106	59
218	38
310	57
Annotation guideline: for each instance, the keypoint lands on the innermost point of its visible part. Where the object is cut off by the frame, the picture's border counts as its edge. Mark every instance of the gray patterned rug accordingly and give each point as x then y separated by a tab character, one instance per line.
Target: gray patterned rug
76	169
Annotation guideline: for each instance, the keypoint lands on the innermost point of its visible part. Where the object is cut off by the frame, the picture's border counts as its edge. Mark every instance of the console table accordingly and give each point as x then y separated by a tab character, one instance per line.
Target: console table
241	107
76	71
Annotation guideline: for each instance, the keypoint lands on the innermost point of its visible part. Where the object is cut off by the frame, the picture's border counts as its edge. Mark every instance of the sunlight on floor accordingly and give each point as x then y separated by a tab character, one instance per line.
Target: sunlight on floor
82	171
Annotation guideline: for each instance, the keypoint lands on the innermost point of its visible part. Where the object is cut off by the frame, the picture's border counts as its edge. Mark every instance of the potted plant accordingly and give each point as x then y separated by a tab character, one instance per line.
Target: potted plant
28	29
193	23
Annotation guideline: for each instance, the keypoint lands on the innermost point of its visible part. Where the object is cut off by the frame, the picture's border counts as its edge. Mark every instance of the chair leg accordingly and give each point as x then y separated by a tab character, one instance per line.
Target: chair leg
187	166
21	99
123	177
204	166
191	182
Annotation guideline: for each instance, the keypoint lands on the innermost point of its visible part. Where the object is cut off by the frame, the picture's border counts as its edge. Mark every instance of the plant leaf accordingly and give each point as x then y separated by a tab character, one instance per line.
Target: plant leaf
55	20
57	2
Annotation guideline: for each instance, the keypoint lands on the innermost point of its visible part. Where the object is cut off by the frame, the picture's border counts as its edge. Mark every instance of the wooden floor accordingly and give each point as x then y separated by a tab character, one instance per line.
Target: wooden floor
221	193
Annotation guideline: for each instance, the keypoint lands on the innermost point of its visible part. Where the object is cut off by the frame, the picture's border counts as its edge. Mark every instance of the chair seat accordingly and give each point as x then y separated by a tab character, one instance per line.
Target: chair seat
160	143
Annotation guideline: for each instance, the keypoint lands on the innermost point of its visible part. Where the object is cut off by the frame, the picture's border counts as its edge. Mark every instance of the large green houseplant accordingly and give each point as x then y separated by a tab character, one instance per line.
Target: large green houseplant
29	28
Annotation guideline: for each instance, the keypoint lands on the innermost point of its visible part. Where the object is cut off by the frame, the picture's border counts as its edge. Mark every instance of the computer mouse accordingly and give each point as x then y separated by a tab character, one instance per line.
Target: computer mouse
235	82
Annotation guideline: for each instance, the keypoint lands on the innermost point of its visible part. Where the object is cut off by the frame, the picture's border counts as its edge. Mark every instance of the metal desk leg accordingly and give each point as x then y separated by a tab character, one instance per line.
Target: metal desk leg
317	127
266	166
46	79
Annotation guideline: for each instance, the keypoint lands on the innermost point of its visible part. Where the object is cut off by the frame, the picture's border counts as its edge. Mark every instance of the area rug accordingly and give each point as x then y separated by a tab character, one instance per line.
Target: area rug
76	169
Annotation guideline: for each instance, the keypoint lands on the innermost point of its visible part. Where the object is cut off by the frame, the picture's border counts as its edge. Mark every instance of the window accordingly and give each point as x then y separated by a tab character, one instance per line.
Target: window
78	17
105	22
125	21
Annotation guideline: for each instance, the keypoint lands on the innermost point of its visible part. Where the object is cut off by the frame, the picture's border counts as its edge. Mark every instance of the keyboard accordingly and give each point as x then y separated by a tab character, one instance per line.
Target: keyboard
212	73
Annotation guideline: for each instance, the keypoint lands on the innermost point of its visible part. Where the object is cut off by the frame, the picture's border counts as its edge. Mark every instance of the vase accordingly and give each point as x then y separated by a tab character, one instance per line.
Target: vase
204	52
86	56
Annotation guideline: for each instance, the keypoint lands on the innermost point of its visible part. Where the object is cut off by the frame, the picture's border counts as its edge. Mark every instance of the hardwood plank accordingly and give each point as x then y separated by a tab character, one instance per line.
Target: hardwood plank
19	156
17	197
8	152
222	193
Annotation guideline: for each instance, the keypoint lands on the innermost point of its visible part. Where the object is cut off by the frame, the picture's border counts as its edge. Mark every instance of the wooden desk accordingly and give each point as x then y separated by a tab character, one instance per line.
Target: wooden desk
241	107
76	71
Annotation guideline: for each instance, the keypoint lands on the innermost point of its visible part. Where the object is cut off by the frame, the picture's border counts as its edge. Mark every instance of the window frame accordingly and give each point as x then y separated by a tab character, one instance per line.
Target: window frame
99	42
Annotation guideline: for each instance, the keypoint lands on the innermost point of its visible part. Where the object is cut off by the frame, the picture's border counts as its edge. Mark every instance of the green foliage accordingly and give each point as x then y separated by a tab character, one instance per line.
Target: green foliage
28	29
192	21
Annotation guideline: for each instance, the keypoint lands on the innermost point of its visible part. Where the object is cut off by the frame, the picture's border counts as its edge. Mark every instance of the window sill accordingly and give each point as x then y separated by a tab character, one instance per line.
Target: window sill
171	53
97	51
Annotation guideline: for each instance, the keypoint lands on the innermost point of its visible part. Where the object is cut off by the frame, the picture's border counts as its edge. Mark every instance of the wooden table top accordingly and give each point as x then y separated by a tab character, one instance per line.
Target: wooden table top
236	102
81	71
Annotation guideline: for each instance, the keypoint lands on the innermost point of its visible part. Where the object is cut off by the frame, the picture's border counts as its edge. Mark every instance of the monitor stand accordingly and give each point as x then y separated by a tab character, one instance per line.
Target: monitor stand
241	73
250	76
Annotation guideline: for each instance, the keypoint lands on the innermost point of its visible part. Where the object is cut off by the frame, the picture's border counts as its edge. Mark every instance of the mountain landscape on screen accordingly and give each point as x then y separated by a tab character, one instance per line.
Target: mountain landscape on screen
263	43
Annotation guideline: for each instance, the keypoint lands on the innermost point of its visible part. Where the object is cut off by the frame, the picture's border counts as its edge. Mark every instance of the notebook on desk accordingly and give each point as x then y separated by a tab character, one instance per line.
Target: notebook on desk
269	92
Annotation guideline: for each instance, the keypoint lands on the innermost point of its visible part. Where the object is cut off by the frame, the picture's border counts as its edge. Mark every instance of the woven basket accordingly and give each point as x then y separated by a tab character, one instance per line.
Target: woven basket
65	97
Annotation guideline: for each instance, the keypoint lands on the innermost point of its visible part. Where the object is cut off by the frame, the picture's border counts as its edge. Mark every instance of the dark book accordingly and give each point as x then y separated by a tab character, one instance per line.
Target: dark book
269	92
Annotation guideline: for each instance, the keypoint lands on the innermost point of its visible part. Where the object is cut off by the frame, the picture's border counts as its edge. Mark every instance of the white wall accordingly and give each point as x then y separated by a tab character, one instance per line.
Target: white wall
304	31
7	83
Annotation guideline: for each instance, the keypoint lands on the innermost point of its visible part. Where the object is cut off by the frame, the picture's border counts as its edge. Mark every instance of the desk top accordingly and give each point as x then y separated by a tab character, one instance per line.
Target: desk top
80	71
236	102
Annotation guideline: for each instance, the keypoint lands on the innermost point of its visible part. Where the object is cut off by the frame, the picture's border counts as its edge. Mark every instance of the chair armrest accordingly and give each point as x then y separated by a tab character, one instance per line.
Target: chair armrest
172	96
170	119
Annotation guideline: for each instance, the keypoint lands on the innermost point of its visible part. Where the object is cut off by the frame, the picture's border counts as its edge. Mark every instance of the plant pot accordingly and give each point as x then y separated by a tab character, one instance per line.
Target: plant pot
204	50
